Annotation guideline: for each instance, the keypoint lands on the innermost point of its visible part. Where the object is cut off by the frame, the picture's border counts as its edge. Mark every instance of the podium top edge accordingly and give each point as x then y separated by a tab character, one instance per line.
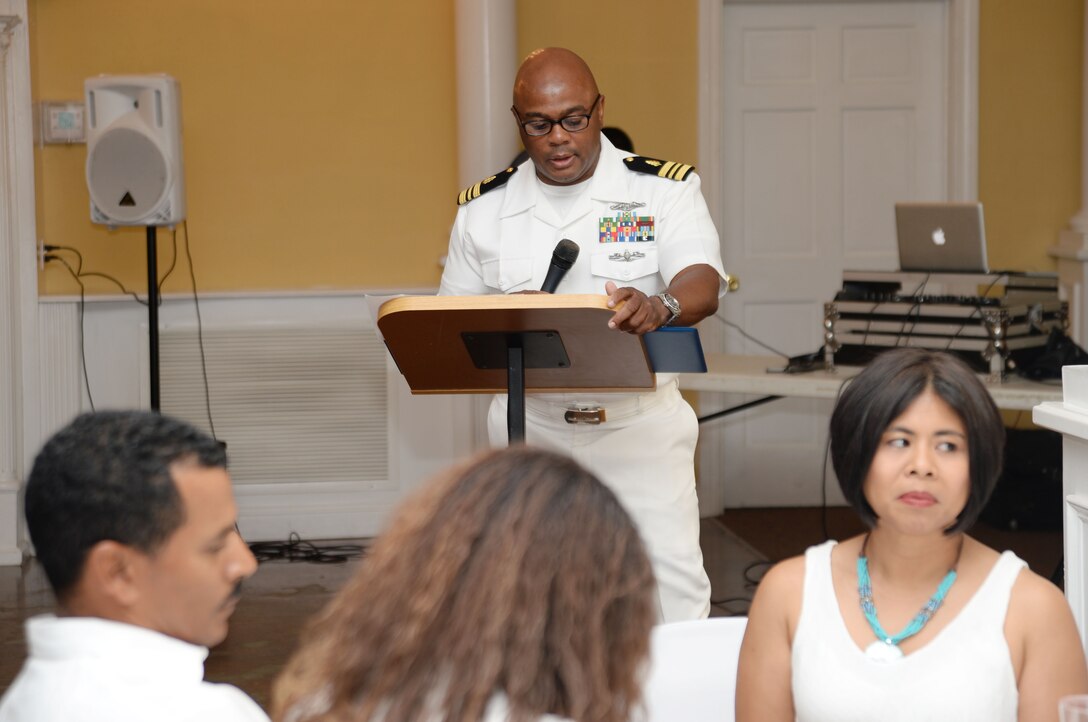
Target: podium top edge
493	301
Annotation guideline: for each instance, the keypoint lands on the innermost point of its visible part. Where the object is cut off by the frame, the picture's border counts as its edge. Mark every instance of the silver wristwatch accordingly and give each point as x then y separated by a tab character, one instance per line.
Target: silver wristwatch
671	305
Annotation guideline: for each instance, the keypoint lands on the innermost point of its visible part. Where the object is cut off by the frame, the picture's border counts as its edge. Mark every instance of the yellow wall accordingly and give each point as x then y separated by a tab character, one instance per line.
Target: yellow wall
645	56
320	138
1029	126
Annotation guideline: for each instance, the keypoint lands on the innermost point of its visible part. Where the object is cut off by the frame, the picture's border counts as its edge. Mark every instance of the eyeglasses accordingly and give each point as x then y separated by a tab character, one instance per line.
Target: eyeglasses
543	126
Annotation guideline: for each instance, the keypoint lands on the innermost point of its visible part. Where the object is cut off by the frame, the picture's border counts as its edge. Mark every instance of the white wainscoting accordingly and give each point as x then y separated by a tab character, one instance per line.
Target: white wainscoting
324	436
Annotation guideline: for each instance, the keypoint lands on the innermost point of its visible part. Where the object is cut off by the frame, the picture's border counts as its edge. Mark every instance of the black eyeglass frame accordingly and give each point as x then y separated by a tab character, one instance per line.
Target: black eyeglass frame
562	122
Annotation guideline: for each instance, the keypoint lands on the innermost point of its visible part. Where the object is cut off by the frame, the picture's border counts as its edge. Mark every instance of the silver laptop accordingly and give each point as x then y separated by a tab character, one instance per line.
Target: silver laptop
945	237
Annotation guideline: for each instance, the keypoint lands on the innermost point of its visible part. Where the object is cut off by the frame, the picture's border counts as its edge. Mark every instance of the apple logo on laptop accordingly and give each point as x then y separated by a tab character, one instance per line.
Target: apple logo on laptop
938	237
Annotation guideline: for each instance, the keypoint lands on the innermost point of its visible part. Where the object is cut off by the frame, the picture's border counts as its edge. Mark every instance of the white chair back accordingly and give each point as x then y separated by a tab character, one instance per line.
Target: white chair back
693	670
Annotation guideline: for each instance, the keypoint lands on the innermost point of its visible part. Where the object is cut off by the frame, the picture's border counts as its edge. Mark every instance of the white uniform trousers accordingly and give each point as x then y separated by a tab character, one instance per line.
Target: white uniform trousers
645	452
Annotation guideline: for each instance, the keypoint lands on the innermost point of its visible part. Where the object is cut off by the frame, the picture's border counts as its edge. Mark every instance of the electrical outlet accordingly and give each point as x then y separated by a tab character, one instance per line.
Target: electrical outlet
61	122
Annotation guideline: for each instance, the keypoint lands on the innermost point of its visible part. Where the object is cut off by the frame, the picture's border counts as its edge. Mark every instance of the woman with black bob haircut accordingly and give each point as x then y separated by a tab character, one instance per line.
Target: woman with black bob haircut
892	382
914	619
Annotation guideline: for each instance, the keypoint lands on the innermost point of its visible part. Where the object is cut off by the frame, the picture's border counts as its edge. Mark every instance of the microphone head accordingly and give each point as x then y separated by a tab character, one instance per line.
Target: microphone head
565	254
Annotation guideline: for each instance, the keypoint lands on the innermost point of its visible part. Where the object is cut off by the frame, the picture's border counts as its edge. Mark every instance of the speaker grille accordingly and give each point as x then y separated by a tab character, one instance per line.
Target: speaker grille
129	175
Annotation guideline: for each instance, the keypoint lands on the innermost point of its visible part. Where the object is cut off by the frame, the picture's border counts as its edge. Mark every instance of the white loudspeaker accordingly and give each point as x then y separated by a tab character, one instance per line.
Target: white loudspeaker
134	164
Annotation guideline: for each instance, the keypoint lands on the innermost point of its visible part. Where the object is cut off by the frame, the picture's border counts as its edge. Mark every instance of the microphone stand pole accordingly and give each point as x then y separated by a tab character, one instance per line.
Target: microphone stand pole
153	316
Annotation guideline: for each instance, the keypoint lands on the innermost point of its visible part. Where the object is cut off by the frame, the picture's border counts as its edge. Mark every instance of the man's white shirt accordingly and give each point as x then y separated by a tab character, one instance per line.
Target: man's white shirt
85	669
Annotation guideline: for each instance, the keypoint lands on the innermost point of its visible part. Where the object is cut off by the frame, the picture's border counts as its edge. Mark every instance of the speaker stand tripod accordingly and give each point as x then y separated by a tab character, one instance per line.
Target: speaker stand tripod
153	315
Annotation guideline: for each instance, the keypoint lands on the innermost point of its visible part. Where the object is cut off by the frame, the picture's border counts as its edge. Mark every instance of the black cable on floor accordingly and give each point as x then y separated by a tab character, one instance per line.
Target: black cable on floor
750	581
720	604
296	549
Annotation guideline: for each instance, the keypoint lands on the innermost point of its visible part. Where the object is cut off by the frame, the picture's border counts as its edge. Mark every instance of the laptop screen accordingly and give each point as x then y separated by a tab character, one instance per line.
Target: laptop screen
945	237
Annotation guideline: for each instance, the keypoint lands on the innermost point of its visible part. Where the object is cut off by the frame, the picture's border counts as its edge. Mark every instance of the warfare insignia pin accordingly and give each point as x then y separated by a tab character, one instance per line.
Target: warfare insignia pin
626	206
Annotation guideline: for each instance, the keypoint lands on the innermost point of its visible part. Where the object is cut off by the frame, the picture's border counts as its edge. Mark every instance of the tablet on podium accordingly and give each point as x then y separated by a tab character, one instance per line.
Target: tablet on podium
675	349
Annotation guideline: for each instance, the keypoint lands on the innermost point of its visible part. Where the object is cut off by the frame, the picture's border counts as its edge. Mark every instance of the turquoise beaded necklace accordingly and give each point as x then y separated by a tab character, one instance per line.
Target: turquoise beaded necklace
886	648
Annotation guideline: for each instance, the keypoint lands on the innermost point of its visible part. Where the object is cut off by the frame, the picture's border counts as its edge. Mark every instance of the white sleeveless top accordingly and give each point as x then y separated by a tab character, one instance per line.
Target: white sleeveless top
964	673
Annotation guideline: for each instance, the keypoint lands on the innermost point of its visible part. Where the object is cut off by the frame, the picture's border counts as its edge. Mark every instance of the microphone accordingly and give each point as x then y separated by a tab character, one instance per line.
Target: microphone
563	257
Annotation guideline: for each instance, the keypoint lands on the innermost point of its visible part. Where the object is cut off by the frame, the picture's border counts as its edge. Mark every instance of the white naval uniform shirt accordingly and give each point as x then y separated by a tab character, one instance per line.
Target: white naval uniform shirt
502	242
84	669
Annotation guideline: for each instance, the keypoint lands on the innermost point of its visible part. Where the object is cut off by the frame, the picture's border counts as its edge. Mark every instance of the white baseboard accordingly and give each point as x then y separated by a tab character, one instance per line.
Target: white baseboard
11	553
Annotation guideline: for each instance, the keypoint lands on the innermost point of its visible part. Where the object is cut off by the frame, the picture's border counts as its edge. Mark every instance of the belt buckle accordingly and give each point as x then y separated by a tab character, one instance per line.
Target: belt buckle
585	415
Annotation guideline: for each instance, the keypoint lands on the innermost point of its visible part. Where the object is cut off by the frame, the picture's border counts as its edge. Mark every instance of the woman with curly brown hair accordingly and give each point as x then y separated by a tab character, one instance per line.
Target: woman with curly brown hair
514	588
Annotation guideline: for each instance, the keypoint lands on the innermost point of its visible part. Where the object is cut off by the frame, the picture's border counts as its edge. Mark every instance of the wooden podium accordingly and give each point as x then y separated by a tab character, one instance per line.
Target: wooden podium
512	344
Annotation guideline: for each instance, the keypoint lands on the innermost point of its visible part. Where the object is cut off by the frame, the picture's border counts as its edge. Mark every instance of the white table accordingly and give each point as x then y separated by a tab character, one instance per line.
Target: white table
737	374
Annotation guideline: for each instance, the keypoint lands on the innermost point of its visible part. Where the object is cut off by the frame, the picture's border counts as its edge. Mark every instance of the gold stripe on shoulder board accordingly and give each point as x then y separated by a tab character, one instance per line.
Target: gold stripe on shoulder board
493	181
668	169
674	171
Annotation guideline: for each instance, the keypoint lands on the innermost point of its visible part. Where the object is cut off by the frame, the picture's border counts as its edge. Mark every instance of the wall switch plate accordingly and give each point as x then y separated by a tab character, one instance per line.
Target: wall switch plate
61	122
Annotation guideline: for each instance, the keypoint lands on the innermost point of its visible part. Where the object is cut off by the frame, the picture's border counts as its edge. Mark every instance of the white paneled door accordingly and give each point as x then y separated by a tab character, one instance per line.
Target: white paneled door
832	113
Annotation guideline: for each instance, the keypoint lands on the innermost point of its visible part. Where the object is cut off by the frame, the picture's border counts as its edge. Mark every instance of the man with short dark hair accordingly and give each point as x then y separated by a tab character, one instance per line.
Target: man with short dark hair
648	242
134	522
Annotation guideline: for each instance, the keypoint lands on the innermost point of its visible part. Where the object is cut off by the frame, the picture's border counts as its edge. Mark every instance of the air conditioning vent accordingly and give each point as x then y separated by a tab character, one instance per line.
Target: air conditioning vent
294	403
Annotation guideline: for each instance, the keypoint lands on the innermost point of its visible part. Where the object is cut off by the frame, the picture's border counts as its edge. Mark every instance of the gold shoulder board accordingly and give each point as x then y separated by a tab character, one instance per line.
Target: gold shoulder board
490	183
663	168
